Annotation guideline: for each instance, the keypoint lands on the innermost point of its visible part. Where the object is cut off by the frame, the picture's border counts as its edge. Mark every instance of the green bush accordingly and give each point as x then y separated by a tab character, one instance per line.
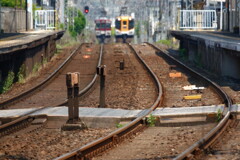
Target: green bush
7	84
151	120
21	74
219	115
36	67
137	29
78	26
13	3
119	125
165	42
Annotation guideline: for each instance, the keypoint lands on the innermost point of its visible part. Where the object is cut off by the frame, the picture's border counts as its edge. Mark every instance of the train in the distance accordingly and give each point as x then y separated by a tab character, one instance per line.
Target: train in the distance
103	28
124	26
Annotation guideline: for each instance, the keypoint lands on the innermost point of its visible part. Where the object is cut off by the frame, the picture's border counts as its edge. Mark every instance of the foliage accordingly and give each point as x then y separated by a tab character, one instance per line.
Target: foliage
151	120
7	84
137	29
62	26
113	31
78	25
44	61
36	67
219	115
166	42
21	74
13	3
119	125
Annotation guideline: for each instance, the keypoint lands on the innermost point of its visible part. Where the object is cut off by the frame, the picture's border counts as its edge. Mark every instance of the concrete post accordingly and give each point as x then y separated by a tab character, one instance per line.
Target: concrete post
101	71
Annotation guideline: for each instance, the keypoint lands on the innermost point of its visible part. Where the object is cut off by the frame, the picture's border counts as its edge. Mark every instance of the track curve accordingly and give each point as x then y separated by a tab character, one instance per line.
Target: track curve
92	149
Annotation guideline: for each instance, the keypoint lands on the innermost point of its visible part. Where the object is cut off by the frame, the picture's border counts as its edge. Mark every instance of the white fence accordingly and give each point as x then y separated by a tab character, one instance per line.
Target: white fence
198	19
45	19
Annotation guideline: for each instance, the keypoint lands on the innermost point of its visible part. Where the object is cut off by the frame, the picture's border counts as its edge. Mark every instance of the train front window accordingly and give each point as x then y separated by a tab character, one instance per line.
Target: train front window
102	26
108	25
131	24
124	22
118	24
98	26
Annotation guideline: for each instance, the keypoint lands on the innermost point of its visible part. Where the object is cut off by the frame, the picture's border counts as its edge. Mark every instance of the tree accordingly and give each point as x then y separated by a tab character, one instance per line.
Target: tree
78	26
13	3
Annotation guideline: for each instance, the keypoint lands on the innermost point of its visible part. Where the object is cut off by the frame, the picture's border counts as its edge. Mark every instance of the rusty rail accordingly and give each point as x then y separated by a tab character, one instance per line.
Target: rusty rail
92	149
16	98
13	126
209	138
7	127
90	85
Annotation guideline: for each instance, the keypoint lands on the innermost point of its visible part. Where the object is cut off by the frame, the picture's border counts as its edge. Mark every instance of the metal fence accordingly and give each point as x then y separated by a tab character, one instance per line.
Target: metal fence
45	19
198	19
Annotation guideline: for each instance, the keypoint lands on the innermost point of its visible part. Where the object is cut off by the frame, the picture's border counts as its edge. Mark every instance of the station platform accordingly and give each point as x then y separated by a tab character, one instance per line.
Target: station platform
216	52
225	40
111	117
10	42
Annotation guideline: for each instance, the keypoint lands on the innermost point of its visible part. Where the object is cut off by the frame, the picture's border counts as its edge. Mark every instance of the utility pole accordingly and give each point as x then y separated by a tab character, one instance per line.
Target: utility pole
0	18
26	14
221	16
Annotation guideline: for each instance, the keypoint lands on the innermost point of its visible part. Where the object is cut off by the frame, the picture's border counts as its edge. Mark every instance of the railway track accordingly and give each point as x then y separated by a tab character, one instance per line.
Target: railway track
111	140
26	119
92	149
50	131
208	139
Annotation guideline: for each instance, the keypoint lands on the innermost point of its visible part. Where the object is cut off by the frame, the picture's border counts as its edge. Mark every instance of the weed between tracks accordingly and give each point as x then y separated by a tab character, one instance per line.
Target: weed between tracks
151	120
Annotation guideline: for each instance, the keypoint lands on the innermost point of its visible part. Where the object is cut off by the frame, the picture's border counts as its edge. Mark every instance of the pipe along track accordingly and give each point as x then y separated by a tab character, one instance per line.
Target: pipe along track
210	137
94	148
21	122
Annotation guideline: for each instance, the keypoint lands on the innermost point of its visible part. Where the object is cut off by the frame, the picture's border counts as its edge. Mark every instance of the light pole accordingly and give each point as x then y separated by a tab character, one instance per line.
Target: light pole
0	18
221	16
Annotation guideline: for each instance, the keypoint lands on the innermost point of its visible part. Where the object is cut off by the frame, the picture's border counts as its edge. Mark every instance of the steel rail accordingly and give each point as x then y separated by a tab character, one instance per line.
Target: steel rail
90	85
92	149
39	86
206	140
52	76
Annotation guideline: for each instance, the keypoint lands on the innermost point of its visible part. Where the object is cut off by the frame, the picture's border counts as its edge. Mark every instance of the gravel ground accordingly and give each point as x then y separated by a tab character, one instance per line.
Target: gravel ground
157	143
45	144
228	148
131	88
172	87
230	86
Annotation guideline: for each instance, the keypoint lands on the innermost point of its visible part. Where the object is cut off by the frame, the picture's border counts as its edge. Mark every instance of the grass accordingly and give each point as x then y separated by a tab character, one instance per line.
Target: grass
165	42
8	82
219	115
119	125
151	120
21	74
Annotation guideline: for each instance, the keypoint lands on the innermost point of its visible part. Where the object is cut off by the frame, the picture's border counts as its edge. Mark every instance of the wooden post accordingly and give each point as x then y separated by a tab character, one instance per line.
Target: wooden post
72	81
101	71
